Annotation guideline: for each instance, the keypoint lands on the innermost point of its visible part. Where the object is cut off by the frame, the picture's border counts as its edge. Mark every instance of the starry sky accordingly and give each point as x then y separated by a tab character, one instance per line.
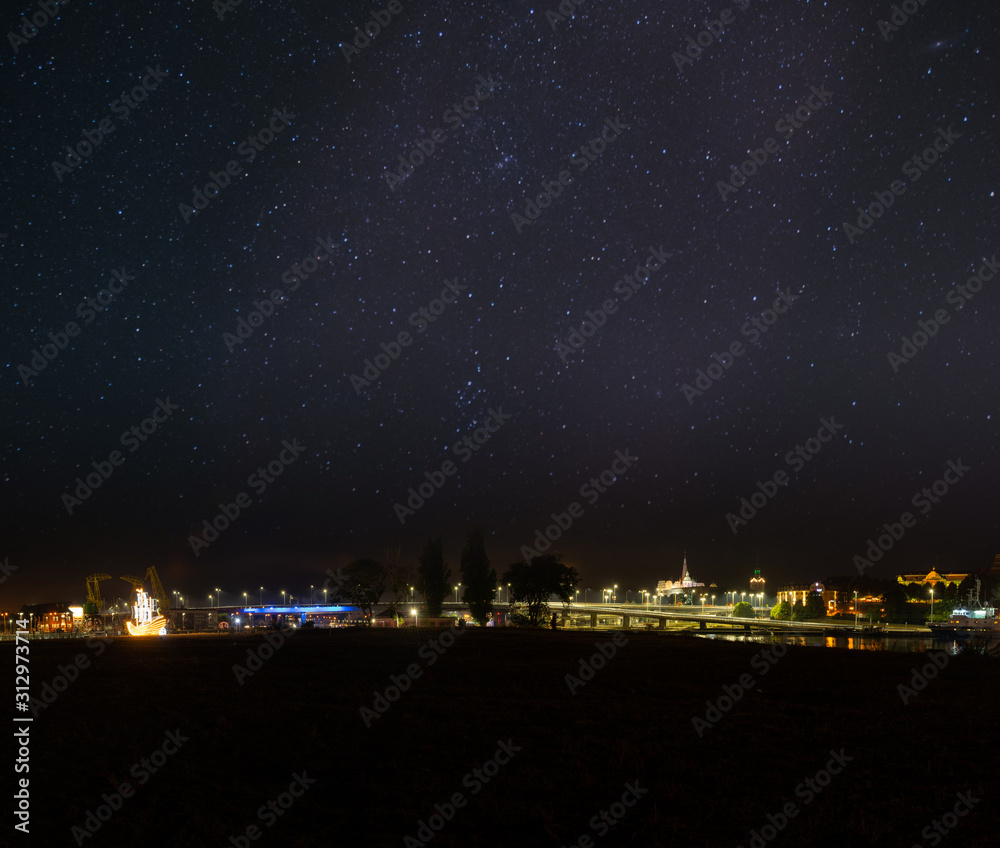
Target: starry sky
631	134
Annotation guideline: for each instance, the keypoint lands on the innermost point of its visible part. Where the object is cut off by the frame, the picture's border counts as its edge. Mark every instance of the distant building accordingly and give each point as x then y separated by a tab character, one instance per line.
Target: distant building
684	585
833	590
756	582
932	578
49	618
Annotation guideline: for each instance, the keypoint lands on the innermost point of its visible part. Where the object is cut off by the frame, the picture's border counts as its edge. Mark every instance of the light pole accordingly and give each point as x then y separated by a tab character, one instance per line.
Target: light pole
211	600
932	603
577	596
742	596
411	594
282	597
856	610
702	604
456	593
262	596
614	595
218	597
245	599
713	600
311	598
414	611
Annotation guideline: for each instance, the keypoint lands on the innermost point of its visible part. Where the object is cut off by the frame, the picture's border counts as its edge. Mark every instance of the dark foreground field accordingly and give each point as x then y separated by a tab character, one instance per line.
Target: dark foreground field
574	755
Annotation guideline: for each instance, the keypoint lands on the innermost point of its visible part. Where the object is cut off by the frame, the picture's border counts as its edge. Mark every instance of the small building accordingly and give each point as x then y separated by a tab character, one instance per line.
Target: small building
48	618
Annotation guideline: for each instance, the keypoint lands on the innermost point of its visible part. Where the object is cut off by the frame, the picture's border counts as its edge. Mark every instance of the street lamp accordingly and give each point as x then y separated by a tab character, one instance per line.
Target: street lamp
577	596
456	593
282	597
932	603
245	602
411	594
856	609
218	597
713	600
211	600
742	596
614	595
414	611
262	596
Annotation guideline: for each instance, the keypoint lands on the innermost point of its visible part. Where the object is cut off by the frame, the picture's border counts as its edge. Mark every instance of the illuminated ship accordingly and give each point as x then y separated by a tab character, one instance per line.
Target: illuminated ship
145	622
973	620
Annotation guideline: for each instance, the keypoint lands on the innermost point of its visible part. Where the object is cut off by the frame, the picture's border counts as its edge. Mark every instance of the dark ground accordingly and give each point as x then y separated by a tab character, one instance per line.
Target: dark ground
631	722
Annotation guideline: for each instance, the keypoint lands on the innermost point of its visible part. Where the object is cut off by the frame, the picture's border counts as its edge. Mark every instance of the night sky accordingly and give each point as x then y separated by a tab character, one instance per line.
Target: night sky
632	142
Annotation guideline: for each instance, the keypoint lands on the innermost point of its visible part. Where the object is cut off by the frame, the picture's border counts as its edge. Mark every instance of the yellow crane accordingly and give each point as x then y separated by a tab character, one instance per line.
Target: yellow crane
157	590
92	608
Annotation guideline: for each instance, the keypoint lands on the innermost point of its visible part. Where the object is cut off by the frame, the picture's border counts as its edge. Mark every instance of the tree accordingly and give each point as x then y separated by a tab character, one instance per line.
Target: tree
399	576
743	610
363	585
782	611
815	608
536	580
433	575
799	611
479	580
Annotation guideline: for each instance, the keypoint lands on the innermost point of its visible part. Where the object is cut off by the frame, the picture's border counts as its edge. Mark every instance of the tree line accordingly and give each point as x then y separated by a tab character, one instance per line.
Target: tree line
533	582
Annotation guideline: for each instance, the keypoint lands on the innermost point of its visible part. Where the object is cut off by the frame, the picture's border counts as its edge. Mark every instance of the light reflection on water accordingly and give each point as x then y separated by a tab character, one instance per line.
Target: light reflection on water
900	644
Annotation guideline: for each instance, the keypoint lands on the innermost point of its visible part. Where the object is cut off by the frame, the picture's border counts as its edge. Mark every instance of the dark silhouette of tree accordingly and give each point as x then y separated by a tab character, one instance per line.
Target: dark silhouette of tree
364	583
535	581
479	580
434	575
815	608
400	576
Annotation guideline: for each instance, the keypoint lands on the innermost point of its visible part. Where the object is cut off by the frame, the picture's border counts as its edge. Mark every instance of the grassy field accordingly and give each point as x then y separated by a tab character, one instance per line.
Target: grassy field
569	755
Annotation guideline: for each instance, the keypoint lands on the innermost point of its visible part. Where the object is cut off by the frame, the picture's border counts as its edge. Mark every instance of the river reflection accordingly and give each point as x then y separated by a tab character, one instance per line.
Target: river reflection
900	644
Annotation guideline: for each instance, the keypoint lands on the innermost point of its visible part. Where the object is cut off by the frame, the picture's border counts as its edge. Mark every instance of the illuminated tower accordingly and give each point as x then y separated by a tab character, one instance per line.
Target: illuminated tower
756	582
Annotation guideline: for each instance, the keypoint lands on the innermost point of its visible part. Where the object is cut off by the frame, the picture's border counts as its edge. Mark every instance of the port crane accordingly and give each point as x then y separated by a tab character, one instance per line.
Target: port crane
156	587
93	619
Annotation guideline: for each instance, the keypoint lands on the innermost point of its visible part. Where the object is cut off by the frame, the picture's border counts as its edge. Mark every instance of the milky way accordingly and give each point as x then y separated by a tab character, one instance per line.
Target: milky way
482	250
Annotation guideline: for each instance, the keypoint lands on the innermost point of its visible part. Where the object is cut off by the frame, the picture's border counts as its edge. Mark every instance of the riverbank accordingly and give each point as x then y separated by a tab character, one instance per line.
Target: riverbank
718	736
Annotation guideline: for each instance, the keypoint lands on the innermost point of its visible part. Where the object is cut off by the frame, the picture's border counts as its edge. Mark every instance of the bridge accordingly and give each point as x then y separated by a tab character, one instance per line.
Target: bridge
629	614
